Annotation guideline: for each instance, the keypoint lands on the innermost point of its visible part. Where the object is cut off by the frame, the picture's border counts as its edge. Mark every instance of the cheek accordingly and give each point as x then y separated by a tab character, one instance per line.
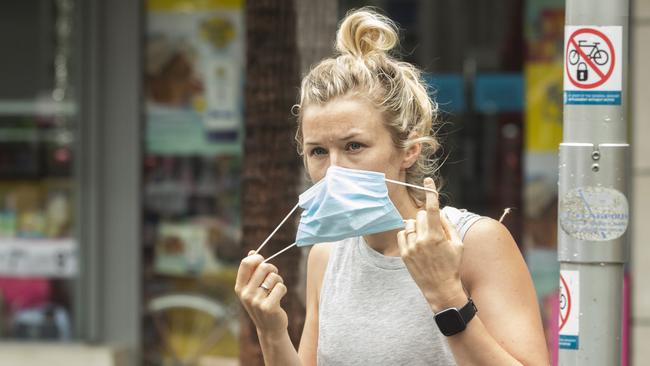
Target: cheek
315	170
394	163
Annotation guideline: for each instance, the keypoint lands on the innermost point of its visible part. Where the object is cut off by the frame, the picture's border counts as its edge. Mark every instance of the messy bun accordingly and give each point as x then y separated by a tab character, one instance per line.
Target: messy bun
364	32
364	67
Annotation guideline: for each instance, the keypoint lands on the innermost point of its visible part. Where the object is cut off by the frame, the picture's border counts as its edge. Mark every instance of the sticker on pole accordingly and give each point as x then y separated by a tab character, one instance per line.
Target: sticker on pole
569	310
594	213
593	65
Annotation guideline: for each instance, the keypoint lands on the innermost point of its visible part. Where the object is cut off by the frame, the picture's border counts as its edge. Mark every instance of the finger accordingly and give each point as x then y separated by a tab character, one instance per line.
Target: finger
432	204
260	274
270	281
251	252
401	243
421	223
276	295
445	228
451	231
246	269
411	232
435	234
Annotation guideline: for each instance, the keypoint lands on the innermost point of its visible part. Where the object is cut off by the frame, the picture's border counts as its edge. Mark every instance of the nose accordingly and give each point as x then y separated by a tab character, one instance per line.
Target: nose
335	159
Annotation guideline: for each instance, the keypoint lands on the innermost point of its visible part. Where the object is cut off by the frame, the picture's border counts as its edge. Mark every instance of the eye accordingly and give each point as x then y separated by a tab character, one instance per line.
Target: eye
317	151
354	146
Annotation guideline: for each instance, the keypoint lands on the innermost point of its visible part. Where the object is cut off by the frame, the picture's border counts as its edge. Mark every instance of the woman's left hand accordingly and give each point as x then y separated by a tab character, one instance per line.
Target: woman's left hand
432	252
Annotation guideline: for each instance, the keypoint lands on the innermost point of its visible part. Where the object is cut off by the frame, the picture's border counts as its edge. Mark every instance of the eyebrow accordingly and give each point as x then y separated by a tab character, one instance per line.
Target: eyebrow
351	135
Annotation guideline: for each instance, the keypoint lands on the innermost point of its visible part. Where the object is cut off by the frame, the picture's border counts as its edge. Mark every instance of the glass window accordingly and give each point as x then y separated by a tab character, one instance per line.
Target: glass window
38	109
193	76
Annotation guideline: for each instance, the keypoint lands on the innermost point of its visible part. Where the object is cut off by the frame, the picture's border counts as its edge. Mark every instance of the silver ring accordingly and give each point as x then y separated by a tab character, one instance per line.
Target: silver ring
264	287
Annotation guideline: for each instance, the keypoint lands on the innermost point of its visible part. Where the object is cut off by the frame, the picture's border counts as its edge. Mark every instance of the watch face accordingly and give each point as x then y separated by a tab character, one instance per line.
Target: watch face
450	322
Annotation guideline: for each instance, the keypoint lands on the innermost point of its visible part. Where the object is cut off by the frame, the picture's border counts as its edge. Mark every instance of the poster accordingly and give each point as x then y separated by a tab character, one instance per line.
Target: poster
543	106
193	77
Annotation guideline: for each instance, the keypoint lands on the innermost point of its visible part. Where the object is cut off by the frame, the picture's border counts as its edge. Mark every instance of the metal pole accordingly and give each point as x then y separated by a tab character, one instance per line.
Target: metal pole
593	206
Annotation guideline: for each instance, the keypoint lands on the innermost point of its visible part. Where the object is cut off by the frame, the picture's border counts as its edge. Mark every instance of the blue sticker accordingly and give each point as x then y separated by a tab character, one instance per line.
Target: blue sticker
592	97
568	341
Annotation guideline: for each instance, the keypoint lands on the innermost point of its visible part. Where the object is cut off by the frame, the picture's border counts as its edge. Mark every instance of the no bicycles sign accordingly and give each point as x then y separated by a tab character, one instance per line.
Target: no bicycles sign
593	65
569	322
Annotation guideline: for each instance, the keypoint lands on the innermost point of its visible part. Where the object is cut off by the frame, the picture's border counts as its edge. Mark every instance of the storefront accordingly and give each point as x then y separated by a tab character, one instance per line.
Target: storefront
70	186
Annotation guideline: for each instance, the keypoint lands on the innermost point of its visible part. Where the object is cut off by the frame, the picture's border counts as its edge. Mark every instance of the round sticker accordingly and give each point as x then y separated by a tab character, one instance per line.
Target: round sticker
594	213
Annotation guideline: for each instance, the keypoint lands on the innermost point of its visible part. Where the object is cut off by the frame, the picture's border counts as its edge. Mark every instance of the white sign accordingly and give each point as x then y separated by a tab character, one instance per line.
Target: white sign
569	310
593	65
38	257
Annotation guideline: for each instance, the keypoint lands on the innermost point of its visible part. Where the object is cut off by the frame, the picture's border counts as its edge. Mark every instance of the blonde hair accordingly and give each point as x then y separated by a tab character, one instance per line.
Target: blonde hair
364	67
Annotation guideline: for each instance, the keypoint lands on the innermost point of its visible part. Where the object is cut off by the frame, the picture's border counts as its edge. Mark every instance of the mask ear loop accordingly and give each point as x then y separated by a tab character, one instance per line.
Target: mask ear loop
505	212
275	230
280	252
411	185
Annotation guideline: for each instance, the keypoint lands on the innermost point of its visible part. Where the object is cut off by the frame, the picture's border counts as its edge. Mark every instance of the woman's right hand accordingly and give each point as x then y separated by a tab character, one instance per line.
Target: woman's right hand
262	306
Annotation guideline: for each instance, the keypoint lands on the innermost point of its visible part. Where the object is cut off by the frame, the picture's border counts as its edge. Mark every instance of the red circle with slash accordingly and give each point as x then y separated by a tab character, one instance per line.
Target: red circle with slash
603	76
563	319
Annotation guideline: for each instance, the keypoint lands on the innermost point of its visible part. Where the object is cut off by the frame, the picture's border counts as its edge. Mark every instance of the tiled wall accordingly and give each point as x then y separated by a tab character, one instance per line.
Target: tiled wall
640	235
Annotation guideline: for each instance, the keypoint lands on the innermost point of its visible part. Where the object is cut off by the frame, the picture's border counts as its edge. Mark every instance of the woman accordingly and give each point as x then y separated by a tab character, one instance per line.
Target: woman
398	297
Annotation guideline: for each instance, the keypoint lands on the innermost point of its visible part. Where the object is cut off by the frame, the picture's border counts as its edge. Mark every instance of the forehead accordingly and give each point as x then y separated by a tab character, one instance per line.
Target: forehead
339	117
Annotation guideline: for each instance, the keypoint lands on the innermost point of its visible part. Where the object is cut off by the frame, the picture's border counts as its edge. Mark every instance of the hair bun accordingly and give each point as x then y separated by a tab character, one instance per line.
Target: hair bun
365	31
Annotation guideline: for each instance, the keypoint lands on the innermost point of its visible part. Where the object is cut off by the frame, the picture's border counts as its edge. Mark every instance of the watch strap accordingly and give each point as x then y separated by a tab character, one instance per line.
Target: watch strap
468	311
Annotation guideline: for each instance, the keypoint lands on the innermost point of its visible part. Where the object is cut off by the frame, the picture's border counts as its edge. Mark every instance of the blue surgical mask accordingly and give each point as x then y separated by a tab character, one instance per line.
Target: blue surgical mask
346	203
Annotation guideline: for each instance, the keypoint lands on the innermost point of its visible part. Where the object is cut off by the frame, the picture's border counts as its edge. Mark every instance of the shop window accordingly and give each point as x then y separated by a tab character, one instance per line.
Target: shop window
193	77
39	249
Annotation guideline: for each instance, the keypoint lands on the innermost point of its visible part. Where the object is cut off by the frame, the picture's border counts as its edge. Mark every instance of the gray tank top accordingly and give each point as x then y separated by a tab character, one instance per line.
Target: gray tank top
371	312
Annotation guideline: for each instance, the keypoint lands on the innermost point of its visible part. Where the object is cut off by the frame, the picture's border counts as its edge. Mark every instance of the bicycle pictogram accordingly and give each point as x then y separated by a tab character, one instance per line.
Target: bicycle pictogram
563	301
592	51
590	58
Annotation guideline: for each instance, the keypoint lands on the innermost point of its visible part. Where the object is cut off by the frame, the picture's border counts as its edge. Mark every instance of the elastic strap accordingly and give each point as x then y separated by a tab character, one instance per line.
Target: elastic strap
411	185
276	229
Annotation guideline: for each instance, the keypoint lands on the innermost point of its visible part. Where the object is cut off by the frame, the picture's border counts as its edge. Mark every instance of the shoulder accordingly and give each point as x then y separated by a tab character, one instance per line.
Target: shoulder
487	229
316	265
318	258
489	248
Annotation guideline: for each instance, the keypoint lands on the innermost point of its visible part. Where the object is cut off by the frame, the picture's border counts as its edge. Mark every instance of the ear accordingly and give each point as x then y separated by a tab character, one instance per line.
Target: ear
412	153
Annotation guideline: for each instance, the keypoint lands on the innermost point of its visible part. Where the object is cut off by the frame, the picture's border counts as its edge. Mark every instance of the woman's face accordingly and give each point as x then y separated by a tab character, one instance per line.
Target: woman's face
349	132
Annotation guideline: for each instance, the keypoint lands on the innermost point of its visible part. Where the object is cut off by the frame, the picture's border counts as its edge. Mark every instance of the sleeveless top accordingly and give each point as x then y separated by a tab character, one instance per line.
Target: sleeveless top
371	312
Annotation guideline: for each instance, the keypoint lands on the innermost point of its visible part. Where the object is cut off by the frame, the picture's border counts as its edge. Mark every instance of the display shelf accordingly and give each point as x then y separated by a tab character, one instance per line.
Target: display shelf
28	107
32	134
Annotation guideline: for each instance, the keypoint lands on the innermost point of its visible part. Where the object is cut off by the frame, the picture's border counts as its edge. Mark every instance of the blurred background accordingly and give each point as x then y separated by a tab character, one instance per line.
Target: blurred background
146	146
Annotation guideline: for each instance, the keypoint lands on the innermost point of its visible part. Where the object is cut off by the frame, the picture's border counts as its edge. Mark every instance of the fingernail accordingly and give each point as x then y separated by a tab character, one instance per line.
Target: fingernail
251	252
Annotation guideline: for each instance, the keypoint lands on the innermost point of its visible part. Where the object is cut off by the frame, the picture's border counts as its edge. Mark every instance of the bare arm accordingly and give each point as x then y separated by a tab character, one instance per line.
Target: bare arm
270	319
264	309
507	329
316	265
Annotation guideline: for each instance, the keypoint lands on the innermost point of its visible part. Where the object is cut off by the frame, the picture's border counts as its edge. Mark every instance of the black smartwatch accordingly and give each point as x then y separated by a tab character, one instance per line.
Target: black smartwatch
451	321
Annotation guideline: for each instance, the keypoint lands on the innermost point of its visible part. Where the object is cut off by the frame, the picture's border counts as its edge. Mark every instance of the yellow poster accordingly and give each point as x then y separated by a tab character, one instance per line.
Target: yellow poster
543	106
